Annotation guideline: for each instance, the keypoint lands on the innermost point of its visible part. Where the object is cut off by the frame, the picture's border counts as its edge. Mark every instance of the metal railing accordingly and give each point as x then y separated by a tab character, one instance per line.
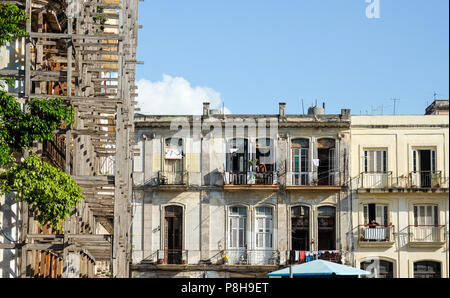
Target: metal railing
312	179
371	233
172	256
421	179
237	178
334	178
243	178
425	179
252	257
376	179
173	178
301	178
266	178
426	233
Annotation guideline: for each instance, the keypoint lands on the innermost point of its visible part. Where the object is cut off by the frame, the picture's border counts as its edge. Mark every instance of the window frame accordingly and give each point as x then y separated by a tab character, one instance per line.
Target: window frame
238	219
367	163
265	218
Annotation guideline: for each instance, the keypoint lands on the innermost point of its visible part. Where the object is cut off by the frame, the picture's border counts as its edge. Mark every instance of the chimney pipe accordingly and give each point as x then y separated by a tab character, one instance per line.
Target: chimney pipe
206	109
282	109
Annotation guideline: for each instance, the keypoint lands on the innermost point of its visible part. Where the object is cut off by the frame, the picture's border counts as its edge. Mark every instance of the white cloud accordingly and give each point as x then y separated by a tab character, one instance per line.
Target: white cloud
175	96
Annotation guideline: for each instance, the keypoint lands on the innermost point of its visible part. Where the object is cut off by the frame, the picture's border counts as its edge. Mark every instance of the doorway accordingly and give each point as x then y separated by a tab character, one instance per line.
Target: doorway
300	228
326	228
173	235
424	166
326	155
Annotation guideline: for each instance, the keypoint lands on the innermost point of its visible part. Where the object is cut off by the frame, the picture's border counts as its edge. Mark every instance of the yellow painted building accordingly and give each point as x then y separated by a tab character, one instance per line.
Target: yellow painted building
400	211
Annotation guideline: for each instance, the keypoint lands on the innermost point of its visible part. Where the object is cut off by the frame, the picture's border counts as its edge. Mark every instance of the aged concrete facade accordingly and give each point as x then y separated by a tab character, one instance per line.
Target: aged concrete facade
204	190
387	188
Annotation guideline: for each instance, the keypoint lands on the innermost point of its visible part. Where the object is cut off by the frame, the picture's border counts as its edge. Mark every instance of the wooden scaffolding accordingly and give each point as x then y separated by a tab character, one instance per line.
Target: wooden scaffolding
85	52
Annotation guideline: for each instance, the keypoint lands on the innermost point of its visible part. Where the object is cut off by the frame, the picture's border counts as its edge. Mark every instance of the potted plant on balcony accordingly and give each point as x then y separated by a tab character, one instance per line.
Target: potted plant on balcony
436	177
315	181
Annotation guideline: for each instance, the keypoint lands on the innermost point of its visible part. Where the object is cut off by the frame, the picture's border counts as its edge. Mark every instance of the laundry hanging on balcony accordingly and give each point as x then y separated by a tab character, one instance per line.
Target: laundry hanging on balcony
302	256
173	154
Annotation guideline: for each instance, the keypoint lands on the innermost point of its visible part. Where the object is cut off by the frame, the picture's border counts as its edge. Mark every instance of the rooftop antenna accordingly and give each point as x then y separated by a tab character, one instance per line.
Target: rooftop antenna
303	108
437	94
395	101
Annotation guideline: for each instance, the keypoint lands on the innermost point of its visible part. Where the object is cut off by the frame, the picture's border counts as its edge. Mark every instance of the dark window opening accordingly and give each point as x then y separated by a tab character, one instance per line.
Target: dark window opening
173	235
424	166
237	161
326	155
265	162
427	269
300	228
379	269
327	228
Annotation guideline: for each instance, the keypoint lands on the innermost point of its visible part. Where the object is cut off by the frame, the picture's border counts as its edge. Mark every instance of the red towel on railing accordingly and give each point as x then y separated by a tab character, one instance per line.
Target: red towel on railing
302	256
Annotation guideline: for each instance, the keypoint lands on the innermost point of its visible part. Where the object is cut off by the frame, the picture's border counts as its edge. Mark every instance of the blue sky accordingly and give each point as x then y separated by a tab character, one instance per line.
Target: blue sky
251	54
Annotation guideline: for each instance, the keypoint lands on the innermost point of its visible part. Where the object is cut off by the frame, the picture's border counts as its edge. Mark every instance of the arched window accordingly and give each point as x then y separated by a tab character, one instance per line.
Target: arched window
300	162
300	228
378	268
264	159
326	153
427	269
173	155
264	227
265	155
327	228
237	160
237	227
173	234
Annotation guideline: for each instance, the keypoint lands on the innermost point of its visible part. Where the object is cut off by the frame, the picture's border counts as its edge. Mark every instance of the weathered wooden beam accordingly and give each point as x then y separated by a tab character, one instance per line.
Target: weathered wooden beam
74	36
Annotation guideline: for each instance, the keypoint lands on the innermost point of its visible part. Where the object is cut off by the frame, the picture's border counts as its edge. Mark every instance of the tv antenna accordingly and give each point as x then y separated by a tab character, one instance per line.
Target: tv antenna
395	103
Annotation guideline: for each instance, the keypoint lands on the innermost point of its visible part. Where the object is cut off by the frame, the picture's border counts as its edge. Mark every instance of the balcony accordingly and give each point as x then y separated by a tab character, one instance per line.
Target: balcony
301	178
172	257
376	236
376	179
422	181
426	235
304	180
242	178
426	179
250	180
173	178
252	257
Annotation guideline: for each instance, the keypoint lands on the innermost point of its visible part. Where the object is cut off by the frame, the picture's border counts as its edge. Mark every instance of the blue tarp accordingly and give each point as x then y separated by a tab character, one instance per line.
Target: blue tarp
319	268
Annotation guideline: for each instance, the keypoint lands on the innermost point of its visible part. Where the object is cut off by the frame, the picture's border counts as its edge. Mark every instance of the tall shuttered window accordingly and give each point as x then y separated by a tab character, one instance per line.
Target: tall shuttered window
264	227
375	161
238	223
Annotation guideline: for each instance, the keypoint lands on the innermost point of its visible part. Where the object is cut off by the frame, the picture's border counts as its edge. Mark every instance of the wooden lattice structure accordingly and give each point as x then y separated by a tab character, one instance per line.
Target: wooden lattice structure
84	51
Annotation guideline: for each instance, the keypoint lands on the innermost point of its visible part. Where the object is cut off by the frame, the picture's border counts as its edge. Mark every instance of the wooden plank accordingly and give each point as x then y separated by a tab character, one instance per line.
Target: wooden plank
47	265
28	49
74	36
37	261
42	264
